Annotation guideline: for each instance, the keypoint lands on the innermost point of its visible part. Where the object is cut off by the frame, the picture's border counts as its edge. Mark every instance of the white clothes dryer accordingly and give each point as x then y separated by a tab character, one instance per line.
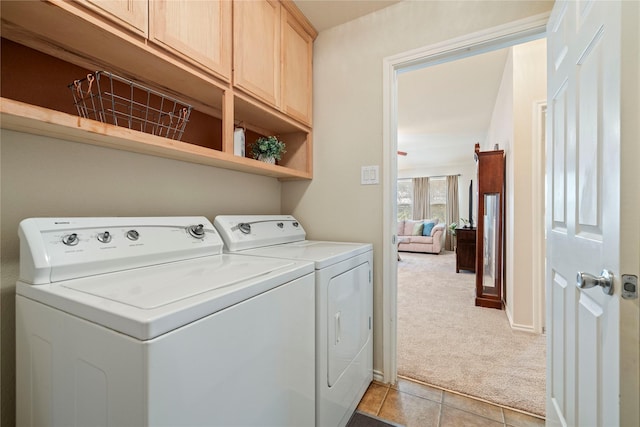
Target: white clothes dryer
344	304
145	322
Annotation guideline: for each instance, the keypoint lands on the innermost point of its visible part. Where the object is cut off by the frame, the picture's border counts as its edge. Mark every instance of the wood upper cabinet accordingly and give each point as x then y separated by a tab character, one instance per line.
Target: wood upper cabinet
256	49
198	31
131	14
272	55
297	69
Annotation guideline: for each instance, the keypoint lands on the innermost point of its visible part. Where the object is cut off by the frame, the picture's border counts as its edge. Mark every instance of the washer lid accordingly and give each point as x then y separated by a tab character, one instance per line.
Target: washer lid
151	288
147	302
323	254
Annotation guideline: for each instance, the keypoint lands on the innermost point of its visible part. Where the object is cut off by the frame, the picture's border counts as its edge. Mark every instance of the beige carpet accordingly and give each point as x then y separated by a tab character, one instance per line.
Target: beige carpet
444	340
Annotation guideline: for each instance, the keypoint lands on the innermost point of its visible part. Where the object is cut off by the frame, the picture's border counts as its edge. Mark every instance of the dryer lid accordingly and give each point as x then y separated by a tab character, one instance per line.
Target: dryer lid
322	253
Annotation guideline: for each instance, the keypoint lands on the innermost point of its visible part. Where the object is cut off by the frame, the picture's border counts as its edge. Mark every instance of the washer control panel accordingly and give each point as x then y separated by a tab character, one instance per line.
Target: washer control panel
54	249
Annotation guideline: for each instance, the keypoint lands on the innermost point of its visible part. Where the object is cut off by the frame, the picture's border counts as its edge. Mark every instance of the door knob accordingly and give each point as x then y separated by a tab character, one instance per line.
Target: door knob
605	280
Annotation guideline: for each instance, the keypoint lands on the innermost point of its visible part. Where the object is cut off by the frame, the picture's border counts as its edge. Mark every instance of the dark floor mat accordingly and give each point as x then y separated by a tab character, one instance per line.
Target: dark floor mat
358	419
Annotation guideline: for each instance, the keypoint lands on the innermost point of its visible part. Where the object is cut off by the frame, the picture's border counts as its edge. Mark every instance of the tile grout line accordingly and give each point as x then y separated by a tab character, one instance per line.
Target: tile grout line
440	413
503	407
382	402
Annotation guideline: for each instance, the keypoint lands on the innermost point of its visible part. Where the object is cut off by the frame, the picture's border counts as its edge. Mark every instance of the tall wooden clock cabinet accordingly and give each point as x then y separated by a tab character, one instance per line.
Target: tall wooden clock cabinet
490	228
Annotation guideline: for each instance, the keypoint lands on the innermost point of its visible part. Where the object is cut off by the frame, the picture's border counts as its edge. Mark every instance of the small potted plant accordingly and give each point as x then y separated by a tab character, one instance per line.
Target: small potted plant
268	149
454	225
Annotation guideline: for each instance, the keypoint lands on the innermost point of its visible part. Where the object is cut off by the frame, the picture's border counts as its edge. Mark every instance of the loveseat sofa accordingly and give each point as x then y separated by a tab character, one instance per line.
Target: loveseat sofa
423	235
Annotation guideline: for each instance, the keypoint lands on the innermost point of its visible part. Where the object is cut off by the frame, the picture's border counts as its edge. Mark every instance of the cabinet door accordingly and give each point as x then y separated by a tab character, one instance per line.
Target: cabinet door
297	56
199	31
131	14
256	49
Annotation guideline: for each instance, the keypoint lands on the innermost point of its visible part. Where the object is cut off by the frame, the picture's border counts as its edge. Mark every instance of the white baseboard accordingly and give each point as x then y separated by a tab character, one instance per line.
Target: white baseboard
378	376
517	327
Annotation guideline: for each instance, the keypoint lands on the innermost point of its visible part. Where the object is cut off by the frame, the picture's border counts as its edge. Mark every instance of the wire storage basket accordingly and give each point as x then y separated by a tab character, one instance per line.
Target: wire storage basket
108	98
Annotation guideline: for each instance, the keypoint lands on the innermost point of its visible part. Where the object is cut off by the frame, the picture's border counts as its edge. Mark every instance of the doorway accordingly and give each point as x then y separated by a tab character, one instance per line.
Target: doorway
504	36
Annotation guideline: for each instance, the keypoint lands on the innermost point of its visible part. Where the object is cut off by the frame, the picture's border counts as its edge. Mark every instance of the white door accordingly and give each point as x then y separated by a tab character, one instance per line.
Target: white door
583	212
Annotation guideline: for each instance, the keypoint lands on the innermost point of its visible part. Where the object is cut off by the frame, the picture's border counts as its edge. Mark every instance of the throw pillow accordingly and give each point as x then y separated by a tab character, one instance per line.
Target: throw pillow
417	229
428	227
408	227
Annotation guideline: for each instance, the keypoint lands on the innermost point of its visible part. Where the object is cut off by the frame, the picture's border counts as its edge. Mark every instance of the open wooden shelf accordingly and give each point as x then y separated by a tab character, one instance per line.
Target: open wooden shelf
48	44
21	117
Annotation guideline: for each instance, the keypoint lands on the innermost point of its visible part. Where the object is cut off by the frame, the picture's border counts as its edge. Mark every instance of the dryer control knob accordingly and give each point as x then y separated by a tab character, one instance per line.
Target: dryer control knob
196	231
244	227
133	235
104	237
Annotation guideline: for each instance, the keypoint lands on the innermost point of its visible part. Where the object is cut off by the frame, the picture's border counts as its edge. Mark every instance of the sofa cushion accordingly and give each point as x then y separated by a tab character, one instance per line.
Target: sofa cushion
421	239
417	229
408	227
428	226
400	228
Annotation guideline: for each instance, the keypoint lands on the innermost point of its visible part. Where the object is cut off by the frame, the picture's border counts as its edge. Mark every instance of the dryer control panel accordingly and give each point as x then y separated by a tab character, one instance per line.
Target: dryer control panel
55	249
241	232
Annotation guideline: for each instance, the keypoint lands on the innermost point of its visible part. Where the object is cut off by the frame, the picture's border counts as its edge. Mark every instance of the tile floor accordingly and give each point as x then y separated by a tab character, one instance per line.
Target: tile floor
411	403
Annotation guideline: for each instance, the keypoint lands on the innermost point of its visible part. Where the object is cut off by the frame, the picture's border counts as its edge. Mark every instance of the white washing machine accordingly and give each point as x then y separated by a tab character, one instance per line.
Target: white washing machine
344	304
145	322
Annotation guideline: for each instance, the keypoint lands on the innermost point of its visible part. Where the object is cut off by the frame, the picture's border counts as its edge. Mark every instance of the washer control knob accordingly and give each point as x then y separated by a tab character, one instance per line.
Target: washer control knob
104	237
244	227
196	231
133	235
70	239
295	224
281	225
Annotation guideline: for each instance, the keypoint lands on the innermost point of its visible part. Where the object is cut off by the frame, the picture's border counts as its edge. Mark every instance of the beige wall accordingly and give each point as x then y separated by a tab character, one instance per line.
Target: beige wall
630	206
348	115
49	177
530	86
512	128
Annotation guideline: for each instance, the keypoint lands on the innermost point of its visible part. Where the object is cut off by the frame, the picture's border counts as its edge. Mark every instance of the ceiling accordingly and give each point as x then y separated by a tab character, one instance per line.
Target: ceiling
443	110
324	14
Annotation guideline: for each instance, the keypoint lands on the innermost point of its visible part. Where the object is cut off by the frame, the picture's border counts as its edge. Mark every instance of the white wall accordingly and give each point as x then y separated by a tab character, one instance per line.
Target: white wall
49	177
512	127
348	115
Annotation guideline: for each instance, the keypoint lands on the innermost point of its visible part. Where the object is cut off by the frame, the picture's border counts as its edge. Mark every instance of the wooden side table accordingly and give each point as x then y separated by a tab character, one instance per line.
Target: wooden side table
465	249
